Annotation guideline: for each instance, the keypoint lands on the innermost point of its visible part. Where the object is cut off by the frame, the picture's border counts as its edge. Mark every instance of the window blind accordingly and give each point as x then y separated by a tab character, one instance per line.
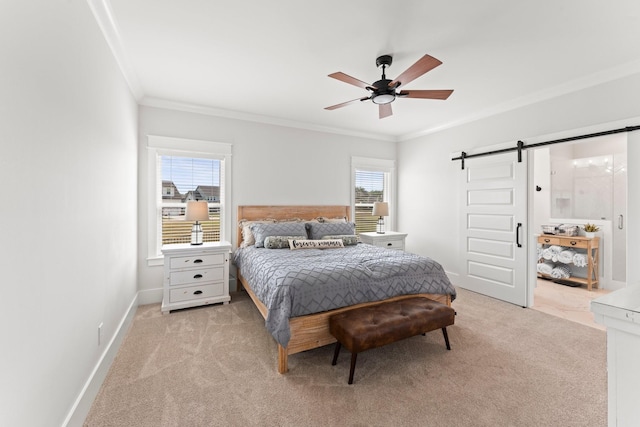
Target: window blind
185	179
370	188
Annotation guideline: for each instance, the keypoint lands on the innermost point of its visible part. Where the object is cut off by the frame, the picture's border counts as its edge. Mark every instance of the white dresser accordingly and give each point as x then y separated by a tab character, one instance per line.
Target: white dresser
390	239
619	311
195	275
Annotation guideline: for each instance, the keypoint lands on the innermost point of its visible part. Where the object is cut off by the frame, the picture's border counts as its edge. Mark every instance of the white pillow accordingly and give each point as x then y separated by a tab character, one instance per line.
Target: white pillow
316	244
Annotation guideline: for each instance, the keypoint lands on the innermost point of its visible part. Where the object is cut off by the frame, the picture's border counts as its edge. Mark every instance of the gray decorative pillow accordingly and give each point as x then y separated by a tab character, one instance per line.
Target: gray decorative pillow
247	235
280	242
262	231
347	239
319	230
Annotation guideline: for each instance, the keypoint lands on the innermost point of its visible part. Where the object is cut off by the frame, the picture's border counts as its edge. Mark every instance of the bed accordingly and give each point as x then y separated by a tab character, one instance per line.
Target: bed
280	285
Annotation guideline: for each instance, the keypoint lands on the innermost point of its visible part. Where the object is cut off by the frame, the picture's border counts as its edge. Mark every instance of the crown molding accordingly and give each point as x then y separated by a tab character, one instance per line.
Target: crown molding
103	14
605	76
230	114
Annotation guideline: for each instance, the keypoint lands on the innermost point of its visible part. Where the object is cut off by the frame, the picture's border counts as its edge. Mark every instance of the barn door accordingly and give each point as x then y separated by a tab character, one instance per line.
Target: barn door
493	243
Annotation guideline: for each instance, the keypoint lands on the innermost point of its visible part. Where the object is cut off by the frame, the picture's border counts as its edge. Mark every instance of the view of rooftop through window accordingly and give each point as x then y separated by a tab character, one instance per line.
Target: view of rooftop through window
185	179
369	189
187	173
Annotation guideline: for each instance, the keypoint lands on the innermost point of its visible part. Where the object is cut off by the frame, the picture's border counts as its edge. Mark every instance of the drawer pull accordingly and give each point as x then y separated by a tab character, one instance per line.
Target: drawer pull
198	276
573	243
197	292
547	240
197	261
389	244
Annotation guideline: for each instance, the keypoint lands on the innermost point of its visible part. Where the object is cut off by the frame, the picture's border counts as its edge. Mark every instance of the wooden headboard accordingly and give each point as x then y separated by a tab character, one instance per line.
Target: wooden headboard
253	213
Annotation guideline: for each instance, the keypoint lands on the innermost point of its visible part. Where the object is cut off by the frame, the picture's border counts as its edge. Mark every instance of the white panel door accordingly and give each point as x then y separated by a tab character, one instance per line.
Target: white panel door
493	243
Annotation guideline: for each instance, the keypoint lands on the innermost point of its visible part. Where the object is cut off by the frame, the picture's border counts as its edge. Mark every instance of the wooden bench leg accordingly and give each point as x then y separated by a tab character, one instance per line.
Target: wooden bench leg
446	338
353	366
335	353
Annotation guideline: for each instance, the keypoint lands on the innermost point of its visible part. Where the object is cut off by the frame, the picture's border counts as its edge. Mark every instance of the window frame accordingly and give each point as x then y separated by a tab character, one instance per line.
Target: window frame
388	167
168	146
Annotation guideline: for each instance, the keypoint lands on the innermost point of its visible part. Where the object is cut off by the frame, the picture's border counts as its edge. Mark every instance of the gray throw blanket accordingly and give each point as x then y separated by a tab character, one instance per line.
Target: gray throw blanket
293	283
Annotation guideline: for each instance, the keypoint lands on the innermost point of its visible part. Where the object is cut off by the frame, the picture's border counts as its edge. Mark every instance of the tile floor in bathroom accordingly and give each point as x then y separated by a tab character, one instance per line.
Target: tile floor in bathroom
566	302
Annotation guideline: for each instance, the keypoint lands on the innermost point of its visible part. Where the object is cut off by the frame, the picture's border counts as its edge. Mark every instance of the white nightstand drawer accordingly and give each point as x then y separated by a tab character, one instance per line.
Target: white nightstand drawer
196	292
197	260
196	275
390	244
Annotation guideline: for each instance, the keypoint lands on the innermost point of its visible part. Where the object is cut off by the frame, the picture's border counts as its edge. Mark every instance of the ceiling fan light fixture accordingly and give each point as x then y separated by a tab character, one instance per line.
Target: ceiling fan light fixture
384	98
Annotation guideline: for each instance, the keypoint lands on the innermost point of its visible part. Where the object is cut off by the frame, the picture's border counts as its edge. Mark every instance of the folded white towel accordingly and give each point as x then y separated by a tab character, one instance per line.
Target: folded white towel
566	256
561	272
545	267
580	260
551	253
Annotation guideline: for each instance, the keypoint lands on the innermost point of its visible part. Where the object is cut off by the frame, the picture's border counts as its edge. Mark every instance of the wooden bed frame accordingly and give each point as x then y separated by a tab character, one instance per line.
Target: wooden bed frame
310	331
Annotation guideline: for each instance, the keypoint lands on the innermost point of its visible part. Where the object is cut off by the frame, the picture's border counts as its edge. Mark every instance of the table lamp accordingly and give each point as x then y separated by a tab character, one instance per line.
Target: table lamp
197	211
380	209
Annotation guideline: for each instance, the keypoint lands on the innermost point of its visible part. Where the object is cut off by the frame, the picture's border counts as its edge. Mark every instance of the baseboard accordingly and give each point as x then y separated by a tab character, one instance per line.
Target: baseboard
452	276
82	405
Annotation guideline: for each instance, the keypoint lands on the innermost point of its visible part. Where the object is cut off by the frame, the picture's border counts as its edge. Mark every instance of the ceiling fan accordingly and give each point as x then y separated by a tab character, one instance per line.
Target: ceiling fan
383	92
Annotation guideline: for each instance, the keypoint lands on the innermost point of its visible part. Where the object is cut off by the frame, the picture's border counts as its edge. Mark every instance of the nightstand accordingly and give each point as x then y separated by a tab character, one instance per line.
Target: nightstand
195	275
390	239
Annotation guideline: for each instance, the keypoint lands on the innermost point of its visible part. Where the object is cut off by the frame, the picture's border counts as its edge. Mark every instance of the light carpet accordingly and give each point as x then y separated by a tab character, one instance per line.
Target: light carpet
216	366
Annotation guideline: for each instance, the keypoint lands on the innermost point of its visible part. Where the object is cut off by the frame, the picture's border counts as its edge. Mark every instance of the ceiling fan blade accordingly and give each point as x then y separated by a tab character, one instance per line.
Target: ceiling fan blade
348	79
422	65
344	104
425	94
384	110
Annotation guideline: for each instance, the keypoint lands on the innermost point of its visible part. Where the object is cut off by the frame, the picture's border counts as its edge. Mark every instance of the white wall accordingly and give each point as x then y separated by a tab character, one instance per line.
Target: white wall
425	168
69	219
271	165
633	209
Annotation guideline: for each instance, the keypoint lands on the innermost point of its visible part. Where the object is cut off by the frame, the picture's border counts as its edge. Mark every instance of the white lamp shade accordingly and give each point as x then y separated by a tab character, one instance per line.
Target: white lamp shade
197	211
380	209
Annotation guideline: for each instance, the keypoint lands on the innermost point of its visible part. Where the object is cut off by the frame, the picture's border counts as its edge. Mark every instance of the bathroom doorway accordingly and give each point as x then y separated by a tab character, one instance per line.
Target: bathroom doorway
586	182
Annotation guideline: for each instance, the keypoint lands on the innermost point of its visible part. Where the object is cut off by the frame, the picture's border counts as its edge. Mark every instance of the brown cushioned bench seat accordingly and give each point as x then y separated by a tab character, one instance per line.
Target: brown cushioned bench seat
373	326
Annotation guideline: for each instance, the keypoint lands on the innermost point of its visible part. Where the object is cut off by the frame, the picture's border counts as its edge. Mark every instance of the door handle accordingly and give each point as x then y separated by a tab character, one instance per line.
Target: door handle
620	222
518	227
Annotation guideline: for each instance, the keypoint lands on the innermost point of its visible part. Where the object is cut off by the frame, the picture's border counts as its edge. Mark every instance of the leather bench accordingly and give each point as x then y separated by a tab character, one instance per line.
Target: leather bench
377	325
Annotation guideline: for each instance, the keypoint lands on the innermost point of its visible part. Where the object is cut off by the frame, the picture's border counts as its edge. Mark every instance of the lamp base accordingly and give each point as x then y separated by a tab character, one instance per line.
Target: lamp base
380	226
196	234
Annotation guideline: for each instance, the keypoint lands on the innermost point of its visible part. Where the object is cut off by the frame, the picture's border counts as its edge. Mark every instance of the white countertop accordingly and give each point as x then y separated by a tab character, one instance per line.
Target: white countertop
623	304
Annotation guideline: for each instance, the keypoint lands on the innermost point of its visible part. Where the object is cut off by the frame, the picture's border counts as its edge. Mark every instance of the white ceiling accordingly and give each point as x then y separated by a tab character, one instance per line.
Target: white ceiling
269	60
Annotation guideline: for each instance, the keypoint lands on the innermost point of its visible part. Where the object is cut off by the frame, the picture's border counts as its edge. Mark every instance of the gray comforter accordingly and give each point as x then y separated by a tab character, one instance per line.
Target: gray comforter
293	283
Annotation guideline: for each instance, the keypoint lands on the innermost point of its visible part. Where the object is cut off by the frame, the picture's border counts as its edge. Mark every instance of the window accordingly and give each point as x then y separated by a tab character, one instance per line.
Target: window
185	179
372	182
180	170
